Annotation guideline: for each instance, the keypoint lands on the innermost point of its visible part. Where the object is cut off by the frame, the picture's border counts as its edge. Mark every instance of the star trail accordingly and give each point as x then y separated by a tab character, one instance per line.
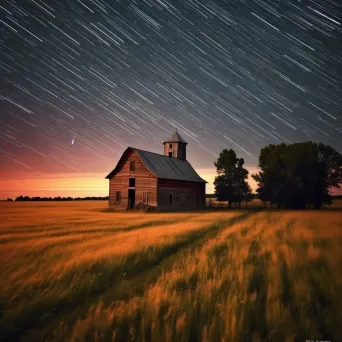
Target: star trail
81	80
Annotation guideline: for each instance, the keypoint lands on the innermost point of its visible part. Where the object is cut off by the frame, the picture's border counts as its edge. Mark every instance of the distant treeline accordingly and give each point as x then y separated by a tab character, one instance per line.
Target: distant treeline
106	198
27	198
255	196
251	196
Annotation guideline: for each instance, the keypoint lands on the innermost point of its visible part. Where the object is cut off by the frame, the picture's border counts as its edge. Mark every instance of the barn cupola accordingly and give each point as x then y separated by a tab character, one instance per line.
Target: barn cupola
175	146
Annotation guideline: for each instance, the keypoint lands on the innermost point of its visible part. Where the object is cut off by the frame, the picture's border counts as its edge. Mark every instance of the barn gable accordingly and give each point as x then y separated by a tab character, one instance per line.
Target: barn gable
131	183
123	160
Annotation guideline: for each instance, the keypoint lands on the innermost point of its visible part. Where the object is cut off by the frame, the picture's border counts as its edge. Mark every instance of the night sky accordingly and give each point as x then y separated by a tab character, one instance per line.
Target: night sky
83	79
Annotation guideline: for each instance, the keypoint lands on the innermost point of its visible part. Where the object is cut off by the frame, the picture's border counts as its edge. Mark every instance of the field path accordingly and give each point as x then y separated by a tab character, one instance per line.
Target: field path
273	277
121	281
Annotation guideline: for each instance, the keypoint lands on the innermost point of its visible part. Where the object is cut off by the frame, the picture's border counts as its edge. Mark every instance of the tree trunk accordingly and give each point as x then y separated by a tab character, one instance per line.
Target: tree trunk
318	204
229	204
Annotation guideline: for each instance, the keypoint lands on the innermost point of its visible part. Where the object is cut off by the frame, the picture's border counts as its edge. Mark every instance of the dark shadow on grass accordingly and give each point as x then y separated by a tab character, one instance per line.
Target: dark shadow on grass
323	244
321	311
289	300
254	318
322	306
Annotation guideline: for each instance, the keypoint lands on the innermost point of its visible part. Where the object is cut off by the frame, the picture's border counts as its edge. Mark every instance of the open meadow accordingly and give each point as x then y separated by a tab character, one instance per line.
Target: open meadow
74	271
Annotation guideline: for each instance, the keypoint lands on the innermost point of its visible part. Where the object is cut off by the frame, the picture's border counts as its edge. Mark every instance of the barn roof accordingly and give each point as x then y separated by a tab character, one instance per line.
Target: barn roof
165	167
175	137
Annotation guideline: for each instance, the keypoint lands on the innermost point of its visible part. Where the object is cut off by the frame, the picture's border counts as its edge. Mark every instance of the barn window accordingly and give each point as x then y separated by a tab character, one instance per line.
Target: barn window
132	165
118	196
131	182
145	197
170	198
170	145
170	154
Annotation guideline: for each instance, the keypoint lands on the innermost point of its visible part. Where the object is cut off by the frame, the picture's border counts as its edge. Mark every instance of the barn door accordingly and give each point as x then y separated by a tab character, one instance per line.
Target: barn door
131	198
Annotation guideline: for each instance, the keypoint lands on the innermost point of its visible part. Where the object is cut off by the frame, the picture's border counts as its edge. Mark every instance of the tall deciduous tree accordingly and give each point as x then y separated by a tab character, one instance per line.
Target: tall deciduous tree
298	175
243	190
230	183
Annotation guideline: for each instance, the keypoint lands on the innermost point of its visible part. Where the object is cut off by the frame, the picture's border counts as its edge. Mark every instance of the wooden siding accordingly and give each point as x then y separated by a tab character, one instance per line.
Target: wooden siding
178	150
144	181
186	195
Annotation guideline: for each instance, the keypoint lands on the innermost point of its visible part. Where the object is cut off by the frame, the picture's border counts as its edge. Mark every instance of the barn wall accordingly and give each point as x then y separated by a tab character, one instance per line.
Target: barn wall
186	195
144	181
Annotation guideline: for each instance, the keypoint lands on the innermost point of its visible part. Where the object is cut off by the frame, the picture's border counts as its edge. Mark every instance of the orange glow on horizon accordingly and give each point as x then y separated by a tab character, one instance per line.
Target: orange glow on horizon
46	185
77	184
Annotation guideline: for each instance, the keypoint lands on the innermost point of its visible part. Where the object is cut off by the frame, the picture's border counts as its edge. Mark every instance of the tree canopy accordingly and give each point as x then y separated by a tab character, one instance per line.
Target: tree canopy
231	182
298	175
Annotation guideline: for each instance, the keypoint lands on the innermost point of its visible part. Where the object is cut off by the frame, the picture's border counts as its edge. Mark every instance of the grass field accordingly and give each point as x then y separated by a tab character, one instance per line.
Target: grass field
74	272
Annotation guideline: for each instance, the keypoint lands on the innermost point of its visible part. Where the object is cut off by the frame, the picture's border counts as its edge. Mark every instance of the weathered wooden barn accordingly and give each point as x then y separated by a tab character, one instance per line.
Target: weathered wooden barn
152	181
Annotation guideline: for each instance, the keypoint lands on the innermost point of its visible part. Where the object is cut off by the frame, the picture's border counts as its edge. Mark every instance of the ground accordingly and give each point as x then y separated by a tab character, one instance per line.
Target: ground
73	271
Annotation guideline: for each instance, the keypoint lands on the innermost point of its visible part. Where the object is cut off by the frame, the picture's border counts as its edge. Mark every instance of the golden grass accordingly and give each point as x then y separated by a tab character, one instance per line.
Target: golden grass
232	275
241	285
52	253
